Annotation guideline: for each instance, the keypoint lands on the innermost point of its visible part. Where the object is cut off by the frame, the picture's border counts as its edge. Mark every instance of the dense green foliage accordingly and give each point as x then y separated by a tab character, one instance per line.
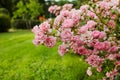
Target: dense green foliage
4	22
29	10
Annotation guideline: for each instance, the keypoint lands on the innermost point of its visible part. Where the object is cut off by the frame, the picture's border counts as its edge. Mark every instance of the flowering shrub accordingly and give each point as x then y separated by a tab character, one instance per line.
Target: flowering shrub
91	31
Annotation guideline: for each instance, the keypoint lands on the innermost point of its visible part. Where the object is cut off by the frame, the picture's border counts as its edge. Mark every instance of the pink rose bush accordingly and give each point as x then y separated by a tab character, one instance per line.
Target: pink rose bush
91	31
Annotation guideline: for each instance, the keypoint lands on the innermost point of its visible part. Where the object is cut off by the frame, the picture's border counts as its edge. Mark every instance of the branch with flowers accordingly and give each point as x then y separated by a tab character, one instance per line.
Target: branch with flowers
91	31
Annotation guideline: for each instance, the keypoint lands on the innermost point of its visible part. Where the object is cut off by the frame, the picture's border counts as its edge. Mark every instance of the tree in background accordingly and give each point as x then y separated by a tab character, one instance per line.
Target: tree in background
28	11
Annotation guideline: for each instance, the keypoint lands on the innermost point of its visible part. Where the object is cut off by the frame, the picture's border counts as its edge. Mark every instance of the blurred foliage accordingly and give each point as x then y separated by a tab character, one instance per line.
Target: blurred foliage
4	22
4	11
7	4
29	10
21	24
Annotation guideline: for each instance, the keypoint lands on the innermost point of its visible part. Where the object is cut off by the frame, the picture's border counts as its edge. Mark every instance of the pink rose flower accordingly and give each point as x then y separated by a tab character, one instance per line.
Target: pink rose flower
68	23
99	46
82	51
35	29
112	56
93	42
111	23
104	5
113	16
75	38
108	74
94	60
84	7
91	14
41	37
91	24
107	45
102	35
58	21
65	13
74	47
66	35
67	6
95	34
50	41
83	29
62	49
36	42
113	49
117	63
44	27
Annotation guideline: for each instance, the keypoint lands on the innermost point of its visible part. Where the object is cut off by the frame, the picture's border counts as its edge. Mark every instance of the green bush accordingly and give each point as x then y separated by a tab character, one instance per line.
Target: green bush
4	11
5	22
24	24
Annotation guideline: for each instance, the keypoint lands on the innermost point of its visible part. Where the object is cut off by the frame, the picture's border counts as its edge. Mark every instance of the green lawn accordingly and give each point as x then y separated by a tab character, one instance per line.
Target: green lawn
21	60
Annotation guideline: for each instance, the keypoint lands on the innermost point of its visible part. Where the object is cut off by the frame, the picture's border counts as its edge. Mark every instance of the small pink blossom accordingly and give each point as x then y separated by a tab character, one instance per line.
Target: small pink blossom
91	24
111	23
44	27
91	14
86	37
99	46
50	41
84	7
113	49
58	21
40	36
94	60
93	42
107	45
99	69
117	63
54	9
112	56
67	6
82	51
36	42
83	29
113	16
74	47
102	35
68	23
108	74
75	38
65	13
35	29
62	49
104	5
66	35
89	72
95	34
75	15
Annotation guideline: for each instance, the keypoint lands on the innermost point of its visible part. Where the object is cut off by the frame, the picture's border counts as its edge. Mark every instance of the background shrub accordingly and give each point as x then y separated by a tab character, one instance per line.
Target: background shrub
5	22
24	24
4	11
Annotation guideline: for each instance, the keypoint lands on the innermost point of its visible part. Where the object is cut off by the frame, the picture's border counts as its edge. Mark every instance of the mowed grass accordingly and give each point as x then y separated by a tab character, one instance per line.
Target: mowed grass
21	60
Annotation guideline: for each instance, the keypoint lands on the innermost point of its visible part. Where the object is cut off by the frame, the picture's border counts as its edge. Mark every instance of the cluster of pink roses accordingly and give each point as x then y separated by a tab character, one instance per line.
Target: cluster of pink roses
88	31
41	36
